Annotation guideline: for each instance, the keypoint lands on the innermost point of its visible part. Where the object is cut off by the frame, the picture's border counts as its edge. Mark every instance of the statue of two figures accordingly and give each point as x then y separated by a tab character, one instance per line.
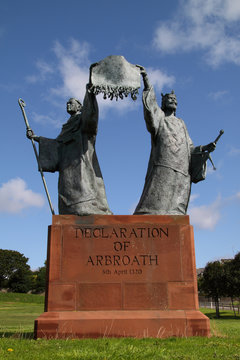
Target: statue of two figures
174	161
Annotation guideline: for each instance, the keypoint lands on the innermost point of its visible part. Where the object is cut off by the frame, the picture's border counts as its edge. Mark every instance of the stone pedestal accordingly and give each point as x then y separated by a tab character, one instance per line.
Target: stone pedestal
113	275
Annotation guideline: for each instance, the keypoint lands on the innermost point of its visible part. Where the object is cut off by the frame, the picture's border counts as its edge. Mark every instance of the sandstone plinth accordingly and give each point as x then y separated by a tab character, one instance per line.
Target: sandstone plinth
112	275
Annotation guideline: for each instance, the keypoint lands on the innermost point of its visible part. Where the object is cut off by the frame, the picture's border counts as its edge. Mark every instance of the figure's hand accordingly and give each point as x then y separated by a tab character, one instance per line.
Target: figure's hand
93	65
30	134
89	87
144	76
90	71
142	70
210	147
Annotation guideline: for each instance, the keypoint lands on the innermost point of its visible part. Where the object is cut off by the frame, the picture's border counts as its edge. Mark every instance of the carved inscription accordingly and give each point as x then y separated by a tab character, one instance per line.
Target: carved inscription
125	260
121	232
124	256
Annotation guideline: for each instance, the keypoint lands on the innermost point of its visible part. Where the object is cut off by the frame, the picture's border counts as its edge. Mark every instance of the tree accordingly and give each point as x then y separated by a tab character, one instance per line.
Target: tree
10	262
232	278
20	281
236	271
40	280
213	282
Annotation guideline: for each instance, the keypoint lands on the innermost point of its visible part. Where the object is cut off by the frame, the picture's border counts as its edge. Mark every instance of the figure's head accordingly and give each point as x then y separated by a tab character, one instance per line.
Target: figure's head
73	106
169	102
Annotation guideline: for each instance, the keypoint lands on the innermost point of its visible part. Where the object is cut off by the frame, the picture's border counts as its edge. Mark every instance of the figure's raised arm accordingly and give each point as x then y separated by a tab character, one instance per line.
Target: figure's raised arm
90	112
143	72
152	112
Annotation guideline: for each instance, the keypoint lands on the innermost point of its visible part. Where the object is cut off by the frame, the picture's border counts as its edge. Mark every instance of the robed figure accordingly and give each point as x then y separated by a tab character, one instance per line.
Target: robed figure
174	161
81	189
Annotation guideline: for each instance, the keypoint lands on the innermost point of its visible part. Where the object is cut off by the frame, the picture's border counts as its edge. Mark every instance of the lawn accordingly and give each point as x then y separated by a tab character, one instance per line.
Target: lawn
18	311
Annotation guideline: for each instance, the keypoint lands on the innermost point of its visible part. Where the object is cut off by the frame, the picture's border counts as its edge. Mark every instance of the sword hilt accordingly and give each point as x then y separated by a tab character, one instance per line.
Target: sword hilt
221	132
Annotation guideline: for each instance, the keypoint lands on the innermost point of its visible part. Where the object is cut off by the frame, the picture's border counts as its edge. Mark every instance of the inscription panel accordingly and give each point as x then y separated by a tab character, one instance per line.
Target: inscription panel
130	252
122	265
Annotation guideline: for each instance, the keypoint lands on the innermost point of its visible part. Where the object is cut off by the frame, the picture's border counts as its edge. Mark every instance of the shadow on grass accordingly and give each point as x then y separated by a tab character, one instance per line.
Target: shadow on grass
223	316
17	335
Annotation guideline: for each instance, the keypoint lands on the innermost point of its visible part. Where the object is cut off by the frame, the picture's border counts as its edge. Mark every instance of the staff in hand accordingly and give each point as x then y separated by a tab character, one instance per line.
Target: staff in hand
32	137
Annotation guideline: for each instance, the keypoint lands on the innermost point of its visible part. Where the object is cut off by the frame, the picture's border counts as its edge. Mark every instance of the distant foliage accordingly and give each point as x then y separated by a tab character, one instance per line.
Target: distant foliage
20	281
16	275
39	283
220	279
212	282
11	262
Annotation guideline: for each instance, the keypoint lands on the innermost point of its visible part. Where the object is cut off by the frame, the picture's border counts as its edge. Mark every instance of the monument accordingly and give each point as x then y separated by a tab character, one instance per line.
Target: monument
121	275
174	162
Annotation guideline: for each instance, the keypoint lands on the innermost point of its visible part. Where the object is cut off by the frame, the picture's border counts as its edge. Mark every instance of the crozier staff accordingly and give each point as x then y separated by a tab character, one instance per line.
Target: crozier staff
174	161
22	106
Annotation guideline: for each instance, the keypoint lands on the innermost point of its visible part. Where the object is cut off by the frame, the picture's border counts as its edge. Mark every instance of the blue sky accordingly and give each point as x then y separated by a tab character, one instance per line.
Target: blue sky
191	46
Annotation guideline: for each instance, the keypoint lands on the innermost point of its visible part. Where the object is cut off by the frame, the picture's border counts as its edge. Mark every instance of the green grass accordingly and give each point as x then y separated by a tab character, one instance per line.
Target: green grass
18	312
226	325
17	316
23	298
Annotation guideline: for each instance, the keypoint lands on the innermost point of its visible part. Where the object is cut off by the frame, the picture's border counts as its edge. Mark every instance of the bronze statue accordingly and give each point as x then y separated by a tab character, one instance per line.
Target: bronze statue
81	190
174	162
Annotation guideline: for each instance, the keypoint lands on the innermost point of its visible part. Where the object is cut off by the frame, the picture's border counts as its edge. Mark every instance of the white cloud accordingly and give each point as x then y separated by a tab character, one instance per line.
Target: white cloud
46	119
44	70
232	10
71	73
234	197
10	87
227	9
206	216
73	64
210	25
234	151
14	197
218	94
193	197
71	70
73	67
121	106
160	79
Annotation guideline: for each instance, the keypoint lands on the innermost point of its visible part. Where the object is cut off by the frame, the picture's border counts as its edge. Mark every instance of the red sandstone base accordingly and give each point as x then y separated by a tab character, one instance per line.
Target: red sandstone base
121	276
